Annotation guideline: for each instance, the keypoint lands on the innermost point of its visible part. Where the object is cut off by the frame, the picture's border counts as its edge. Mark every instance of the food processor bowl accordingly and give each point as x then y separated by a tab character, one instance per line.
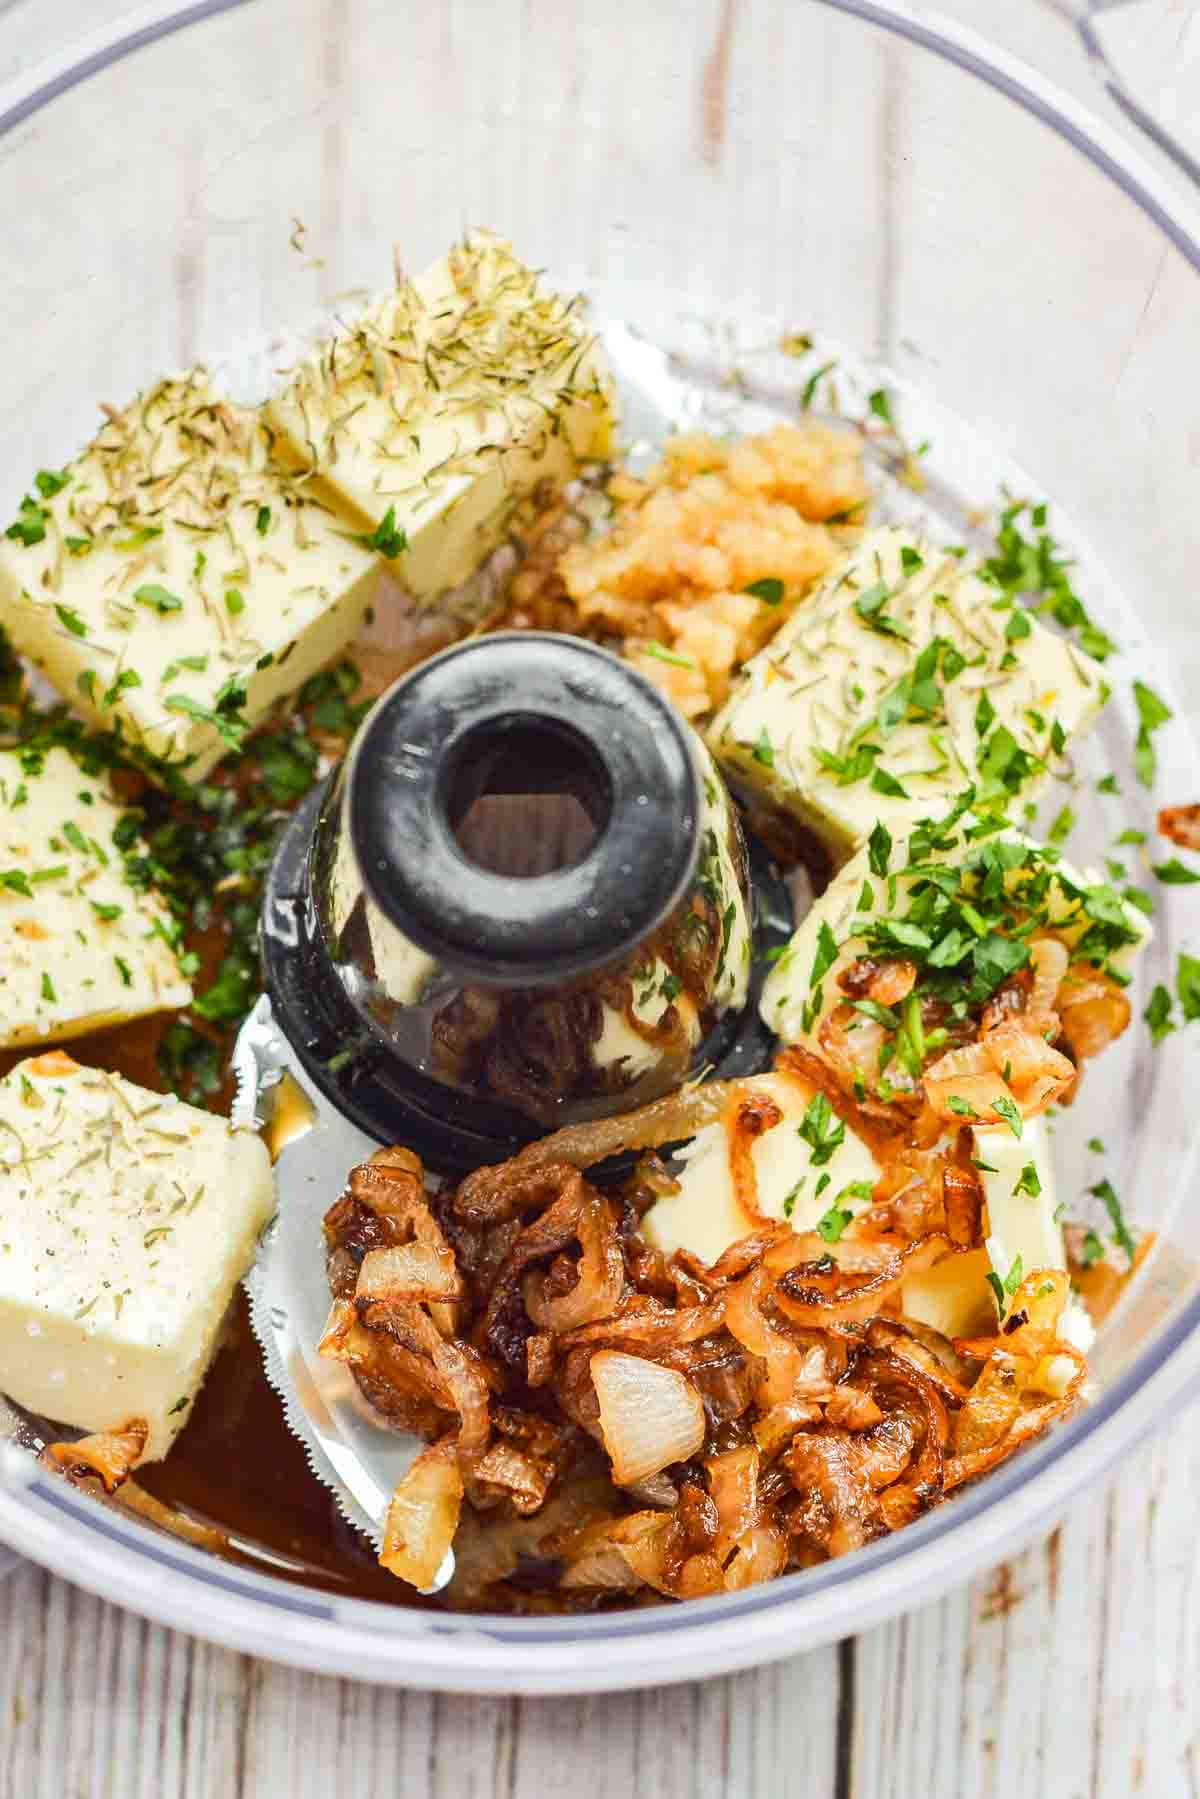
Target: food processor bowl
937	220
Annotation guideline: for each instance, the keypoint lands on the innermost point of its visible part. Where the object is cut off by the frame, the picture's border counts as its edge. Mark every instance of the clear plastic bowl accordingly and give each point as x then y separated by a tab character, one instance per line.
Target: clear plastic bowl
888	185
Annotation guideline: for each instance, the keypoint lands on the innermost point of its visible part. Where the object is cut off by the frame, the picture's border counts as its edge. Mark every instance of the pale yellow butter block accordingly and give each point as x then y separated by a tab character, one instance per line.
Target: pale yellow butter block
173	583
445	404
844	678
799	1178
80	947
126	1221
1021	1221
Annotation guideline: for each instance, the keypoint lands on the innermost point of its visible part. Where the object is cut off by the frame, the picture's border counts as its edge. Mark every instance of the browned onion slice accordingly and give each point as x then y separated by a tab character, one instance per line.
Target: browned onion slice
671	1119
109	1453
601	1280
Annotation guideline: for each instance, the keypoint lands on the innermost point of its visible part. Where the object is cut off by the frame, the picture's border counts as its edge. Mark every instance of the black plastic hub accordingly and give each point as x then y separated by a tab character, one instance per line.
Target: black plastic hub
579	722
393	1102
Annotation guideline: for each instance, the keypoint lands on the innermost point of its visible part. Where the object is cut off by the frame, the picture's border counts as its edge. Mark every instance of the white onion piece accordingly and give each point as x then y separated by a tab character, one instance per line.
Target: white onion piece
411	1271
423	1516
650	1416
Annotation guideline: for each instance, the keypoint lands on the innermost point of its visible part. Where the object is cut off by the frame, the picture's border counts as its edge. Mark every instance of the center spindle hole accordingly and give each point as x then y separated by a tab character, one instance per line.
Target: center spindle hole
525	797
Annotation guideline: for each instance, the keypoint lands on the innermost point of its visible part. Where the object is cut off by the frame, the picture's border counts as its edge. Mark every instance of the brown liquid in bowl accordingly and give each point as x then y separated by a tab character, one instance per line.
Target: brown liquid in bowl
237	1466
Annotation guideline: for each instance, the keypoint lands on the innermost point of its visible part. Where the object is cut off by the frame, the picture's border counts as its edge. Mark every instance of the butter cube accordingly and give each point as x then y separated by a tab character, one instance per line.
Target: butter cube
173	583
894	687
80	947
126	1221
955	1295
442	407
807	1165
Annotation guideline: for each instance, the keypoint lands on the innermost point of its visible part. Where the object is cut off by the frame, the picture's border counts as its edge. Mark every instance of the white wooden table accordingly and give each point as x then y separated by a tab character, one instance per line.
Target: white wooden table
1072	1672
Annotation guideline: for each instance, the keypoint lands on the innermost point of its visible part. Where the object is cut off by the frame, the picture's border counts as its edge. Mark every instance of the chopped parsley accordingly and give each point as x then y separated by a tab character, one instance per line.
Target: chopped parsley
825	957
1158	1015
196	664
879	849
225	717
48	992
880	405
1107	784
1103	1191
1062	827
1007	1109
870	608
1152	713
1032	569
262	520
764	750
661	653
883	782
769	590
29	526
821	1129
159	599
832	1223
1174	873
385	537
809	391
125	679
1092	1251
1187	985
1028	1181
71	621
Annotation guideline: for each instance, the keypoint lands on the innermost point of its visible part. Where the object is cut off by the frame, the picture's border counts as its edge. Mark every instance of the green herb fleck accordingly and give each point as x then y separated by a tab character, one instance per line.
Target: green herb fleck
1103	1190
879	849
1093	1250
826	955
769	590
821	1129
68	617
763	750
1063	825
1028	1182
159	599
1008	1111
386	538
1153	713
1174	873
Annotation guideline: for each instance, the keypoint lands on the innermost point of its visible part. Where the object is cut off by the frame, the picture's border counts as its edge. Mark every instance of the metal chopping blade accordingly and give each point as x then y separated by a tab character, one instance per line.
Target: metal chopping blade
356	1457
